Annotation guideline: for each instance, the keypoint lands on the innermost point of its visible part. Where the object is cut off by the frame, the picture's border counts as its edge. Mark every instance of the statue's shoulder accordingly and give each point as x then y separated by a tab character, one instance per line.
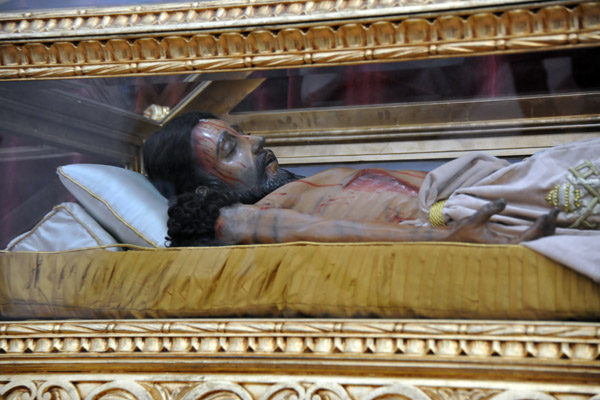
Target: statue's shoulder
332	175
300	195
325	178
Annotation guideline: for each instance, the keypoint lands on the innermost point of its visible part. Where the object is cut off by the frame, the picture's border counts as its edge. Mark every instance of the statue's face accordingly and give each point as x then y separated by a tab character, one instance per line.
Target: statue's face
238	160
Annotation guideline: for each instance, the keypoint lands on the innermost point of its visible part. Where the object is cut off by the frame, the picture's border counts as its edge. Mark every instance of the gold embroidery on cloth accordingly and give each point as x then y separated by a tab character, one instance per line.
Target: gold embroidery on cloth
580	196
436	216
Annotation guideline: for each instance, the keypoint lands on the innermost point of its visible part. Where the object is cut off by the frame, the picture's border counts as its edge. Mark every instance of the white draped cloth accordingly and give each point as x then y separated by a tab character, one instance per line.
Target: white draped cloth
566	177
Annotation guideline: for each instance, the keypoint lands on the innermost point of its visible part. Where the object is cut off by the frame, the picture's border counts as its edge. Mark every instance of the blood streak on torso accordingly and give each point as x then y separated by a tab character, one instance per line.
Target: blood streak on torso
370	194
379	180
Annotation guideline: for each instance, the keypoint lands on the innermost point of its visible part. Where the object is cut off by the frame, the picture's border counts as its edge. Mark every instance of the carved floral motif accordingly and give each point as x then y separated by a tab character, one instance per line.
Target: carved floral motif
93	387
254	358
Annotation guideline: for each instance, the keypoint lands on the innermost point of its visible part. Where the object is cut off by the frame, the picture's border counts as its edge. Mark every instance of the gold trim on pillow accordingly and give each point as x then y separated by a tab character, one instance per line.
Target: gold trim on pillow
87	228
109	208
26	235
51	214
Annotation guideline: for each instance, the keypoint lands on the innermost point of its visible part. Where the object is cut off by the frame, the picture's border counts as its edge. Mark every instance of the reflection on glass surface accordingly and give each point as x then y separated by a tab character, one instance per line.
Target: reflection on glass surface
134	94
102	115
427	80
29	184
29	5
44	121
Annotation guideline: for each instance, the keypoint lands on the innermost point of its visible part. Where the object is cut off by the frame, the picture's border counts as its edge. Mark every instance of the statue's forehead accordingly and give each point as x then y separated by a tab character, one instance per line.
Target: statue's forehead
213	126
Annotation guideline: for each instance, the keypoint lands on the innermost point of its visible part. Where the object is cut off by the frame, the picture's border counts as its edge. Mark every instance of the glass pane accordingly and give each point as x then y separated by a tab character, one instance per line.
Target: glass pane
134	95
53	123
30	186
427	80
47	124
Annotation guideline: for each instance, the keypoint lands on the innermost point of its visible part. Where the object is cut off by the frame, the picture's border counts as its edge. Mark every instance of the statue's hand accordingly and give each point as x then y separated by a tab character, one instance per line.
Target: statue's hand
475	228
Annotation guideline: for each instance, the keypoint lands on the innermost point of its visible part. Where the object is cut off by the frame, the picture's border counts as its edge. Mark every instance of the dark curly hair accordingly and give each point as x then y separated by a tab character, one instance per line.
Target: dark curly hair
193	217
168	157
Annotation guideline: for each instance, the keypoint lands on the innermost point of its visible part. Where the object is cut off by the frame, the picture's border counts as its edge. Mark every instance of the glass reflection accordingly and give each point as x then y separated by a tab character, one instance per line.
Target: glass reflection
95	111
427	80
135	94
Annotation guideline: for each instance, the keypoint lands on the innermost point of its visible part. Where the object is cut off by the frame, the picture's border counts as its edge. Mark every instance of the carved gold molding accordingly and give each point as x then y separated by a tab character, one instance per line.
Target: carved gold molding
171	17
248	387
30	49
529	342
299	359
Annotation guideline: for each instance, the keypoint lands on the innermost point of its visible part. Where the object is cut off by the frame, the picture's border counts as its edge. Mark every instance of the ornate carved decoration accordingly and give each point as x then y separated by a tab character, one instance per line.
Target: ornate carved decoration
157	112
248	387
530	342
106	46
201	15
298	359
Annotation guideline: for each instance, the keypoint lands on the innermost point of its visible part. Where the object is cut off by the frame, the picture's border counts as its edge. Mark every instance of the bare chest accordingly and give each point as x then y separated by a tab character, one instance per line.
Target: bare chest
363	195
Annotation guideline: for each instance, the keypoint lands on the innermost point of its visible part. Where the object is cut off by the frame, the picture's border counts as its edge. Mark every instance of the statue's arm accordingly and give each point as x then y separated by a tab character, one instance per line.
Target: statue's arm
251	224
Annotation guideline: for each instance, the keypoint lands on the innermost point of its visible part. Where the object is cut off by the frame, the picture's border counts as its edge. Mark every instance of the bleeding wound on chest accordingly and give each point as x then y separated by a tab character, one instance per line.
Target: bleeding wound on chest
378	180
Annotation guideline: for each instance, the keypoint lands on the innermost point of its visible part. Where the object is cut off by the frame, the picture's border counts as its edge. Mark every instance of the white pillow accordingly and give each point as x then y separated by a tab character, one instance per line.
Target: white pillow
124	202
66	227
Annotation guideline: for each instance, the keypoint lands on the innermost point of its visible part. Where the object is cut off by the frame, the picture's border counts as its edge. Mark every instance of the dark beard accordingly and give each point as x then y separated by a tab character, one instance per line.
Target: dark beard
282	177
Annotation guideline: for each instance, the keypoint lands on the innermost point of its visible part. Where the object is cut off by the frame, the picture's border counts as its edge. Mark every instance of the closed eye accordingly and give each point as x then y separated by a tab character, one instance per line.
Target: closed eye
228	145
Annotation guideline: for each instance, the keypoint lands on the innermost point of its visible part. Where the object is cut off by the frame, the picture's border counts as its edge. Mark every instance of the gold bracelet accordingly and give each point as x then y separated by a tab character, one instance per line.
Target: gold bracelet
435	214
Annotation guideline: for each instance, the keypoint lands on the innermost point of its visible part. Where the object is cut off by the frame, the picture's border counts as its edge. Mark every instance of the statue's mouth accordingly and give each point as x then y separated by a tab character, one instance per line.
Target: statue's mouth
270	159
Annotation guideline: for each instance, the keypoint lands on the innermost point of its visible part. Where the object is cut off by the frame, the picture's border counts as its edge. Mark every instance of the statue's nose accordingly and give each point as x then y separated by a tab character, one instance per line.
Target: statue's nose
257	143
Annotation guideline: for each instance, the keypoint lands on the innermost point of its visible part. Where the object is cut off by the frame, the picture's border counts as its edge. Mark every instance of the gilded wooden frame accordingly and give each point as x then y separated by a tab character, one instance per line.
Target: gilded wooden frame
249	35
303	359
296	359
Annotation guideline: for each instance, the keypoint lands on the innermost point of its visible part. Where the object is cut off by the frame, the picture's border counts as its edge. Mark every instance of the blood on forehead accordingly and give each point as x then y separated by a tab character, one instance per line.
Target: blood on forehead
207	136
217	126
205	141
